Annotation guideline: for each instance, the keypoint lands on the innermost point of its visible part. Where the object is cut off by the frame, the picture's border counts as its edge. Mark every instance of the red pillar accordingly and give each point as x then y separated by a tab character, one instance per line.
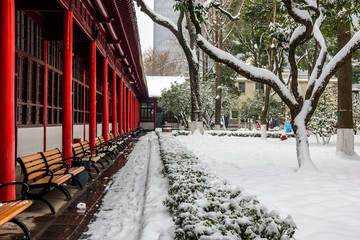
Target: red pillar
67	86
7	98
137	113
45	92
92	95
114	106
131	110
125	109
121	103
128	110
84	104
105	101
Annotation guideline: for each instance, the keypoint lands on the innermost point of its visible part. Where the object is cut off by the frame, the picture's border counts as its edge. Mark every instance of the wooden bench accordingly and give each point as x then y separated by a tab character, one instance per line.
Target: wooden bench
125	138
10	209
120	143
56	163
136	132
42	180
82	151
106	147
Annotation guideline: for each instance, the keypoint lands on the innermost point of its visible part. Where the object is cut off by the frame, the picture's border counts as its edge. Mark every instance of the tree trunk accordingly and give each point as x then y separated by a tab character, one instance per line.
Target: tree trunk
264	113
268	89
218	97
345	133
302	145
219	39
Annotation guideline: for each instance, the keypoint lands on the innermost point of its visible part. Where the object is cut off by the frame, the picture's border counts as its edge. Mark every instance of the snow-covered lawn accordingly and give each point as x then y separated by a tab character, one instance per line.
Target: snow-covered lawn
325	205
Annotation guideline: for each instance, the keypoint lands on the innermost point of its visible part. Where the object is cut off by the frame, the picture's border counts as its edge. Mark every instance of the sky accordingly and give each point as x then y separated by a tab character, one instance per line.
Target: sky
146	27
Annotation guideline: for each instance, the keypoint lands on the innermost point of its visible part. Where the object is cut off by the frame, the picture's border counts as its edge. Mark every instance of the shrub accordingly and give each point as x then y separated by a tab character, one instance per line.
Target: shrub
204	206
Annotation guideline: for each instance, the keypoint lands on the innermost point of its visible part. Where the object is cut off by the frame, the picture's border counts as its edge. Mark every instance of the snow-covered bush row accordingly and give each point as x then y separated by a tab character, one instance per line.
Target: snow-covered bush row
251	134
207	207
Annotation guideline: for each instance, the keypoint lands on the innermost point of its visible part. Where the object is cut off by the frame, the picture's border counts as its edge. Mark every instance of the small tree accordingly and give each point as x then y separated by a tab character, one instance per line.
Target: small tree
356	113
177	100
323	121
162	63
251	108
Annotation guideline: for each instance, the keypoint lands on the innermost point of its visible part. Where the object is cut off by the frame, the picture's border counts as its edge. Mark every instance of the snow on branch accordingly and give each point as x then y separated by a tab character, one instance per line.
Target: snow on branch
319	38
335	63
253	73
227	13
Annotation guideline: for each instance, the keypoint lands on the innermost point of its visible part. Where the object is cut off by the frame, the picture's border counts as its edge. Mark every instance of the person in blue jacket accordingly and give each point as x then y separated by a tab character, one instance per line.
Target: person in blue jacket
288	127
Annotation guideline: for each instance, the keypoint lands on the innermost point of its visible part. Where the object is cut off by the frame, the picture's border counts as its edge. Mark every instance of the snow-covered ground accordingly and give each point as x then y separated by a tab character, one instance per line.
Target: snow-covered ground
325	204
132	208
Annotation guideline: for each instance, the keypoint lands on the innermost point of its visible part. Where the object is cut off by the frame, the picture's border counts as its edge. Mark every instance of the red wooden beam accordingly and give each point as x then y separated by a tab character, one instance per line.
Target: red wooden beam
92	95
121	103
128	110
7	98
45	92
125	109
67	86
105	100
84	103
114	101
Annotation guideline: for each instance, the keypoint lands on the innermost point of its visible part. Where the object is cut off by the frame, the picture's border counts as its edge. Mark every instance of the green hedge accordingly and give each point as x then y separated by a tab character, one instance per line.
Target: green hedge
204	206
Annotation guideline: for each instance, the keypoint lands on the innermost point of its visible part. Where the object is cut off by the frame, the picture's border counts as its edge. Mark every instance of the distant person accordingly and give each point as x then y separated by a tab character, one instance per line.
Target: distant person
288	126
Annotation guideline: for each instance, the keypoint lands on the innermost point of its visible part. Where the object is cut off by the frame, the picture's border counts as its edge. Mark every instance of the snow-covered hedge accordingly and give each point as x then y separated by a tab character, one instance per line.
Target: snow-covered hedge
230	133
207	207
251	134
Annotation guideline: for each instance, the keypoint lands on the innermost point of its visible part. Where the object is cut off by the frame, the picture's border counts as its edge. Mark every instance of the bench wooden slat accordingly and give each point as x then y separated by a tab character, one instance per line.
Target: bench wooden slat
9	210
57	179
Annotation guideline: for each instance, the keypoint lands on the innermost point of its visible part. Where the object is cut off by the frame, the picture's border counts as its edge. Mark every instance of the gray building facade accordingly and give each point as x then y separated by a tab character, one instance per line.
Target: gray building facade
164	40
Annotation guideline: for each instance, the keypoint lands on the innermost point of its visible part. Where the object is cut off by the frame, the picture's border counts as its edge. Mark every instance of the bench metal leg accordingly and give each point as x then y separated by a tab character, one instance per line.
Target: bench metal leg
23	227
96	168
77	181
65	191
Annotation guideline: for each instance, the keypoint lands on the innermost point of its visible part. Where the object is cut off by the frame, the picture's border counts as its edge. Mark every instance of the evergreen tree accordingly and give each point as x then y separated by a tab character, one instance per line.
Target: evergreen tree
323	121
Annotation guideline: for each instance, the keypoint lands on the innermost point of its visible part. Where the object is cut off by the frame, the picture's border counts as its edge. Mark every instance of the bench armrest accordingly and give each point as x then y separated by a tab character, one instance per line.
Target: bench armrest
25	189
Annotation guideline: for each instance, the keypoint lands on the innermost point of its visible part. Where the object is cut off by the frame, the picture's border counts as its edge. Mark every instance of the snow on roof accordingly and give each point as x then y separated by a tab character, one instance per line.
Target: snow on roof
158	83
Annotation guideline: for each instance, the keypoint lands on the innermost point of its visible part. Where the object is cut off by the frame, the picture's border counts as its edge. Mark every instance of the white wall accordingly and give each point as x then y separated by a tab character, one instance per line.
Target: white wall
54	137
29	141
147	125
99	129
78	132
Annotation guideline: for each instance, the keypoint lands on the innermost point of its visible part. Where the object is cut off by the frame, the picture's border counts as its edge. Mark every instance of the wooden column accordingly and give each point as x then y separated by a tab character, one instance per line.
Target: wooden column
121	103
114	105
67	86
105	100
92	95
45	92
7	98
125	109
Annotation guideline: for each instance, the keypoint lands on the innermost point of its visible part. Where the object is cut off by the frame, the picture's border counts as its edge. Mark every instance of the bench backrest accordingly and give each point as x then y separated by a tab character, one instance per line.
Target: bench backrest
85	144
98	142
111	137
53	156
102	140
30	164
78	150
